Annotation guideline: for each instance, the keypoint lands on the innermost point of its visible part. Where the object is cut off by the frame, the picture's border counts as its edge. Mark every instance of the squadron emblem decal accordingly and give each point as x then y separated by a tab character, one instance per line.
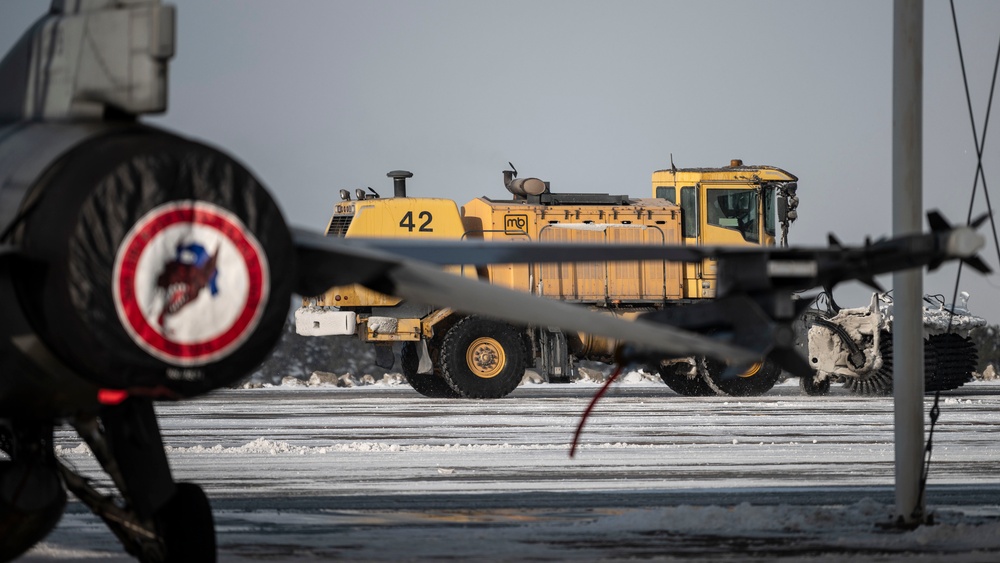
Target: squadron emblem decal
190	282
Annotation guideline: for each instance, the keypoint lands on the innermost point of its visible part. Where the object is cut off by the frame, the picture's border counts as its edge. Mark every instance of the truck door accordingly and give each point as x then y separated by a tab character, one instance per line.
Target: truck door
691	233
731	217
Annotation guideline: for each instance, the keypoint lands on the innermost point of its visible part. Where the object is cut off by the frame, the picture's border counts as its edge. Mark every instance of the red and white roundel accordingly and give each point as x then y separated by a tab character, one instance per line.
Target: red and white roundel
190	282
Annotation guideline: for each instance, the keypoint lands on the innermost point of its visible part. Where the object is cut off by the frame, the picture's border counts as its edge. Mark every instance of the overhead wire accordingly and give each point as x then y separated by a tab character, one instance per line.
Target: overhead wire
980	143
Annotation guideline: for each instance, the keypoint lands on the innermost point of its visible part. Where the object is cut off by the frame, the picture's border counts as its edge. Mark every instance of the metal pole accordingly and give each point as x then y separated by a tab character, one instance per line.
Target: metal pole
907	208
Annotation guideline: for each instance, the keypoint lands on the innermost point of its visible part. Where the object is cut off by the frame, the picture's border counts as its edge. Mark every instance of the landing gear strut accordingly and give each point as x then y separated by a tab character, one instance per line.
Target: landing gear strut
159	520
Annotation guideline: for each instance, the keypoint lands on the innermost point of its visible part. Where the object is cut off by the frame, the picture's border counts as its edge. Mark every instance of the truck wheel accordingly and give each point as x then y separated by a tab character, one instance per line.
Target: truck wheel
482	358
427	384
682	383
756	380
814	388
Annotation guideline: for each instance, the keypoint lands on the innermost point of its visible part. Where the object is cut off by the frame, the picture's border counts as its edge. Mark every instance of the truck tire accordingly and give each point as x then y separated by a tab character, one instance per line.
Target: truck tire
756	380
810	386
482	358
682	383
427	384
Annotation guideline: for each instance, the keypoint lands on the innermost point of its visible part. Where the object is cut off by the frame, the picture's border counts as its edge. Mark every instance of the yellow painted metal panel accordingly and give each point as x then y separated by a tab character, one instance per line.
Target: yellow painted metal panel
520	220
739	174
673	272
407	217
395	217
356	296
557	280
591	277
625	279
614	282
501	222
408	330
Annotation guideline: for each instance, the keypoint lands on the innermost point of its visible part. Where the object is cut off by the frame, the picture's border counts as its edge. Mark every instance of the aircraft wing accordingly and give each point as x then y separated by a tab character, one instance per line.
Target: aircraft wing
741	268
481	253
340	261
753	310
804	265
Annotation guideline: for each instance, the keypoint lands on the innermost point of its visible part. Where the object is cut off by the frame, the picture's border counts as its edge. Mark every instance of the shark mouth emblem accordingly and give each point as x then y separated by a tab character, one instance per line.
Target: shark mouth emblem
183	279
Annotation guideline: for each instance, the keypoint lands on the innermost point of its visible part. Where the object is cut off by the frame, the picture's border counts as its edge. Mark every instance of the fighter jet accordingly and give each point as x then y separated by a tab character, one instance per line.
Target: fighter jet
137	265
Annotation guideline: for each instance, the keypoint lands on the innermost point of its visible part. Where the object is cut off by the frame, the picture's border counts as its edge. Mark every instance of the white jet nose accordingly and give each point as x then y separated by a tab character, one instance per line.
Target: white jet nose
964	242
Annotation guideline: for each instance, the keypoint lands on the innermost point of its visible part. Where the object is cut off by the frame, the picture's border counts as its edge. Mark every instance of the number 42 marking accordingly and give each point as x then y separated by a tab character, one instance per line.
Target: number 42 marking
407	222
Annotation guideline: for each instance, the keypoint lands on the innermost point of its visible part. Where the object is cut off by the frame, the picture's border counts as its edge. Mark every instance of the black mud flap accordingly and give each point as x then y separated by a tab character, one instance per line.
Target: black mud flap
384	358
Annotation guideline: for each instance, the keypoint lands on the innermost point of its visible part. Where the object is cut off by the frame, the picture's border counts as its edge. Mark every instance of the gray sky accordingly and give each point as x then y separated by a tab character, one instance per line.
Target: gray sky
315	96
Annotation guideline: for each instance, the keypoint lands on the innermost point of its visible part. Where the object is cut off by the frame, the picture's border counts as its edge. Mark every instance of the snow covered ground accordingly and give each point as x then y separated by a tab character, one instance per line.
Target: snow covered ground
379	473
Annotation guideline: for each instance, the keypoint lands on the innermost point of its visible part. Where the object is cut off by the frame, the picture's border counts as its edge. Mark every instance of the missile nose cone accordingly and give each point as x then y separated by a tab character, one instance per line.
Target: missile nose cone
964	242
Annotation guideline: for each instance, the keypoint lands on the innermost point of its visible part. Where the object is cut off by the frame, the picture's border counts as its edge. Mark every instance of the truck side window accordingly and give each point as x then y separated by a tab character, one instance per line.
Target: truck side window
668	193
689	211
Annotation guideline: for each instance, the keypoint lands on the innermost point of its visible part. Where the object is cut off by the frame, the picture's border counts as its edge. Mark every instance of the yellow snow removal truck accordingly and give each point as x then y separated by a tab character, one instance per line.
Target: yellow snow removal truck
446	354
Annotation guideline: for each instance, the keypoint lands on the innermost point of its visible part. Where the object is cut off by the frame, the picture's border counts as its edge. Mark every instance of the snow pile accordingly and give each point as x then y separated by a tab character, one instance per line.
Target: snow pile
258	446
942	320
301	356
326	379
989	374
585	375
81	449
278	447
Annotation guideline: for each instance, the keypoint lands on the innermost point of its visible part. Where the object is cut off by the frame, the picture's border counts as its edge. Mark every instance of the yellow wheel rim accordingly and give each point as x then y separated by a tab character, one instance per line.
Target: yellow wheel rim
752	370
485	357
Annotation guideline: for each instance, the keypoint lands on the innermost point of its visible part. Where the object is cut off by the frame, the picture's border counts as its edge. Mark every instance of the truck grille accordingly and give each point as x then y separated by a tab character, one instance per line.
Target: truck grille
339	225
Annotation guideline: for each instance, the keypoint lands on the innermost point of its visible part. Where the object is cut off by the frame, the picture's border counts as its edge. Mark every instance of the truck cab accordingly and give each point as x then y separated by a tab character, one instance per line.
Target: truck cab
737	205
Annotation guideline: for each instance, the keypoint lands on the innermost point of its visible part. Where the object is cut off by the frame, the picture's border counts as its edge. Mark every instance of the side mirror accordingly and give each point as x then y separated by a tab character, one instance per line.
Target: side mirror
787	202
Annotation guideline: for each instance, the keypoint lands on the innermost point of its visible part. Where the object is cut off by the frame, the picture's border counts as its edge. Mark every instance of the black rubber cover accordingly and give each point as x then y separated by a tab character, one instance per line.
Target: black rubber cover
83	209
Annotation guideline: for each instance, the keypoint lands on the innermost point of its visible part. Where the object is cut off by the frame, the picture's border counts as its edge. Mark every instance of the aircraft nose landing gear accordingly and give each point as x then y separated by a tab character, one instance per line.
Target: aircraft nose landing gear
160	520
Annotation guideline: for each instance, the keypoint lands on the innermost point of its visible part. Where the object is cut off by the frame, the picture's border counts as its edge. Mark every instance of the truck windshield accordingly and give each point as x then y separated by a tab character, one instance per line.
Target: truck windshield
735	209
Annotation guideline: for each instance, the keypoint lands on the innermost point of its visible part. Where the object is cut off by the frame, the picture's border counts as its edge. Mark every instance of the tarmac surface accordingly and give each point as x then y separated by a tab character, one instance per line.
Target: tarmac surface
380	473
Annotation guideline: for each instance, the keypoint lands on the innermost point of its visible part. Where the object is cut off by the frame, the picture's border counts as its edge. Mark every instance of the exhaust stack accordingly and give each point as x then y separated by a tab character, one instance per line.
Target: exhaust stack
399	182
522	187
